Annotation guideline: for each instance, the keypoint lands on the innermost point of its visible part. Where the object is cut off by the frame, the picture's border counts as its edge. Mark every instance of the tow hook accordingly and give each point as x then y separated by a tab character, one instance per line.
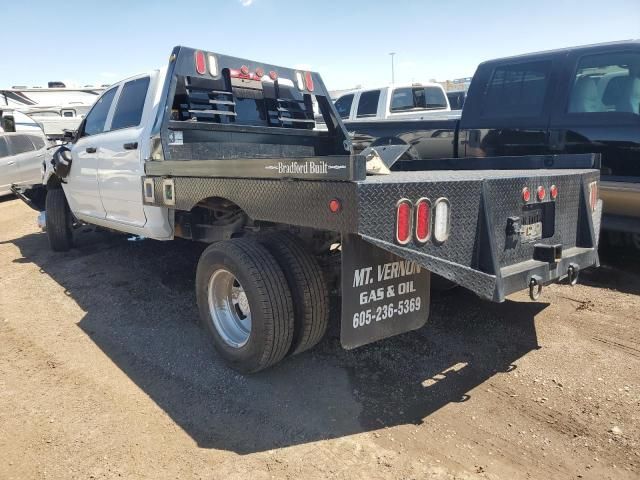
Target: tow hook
572	274
535	288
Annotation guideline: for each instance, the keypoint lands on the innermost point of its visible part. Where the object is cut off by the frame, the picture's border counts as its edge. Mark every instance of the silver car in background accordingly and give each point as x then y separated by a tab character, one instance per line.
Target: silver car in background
21	157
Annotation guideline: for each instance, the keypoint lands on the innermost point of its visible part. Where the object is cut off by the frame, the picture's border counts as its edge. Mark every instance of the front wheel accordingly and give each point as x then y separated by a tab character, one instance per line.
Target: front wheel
245	304
59	221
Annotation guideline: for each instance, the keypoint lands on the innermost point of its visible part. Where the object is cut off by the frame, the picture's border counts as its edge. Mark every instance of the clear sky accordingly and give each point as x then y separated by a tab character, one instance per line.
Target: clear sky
348	42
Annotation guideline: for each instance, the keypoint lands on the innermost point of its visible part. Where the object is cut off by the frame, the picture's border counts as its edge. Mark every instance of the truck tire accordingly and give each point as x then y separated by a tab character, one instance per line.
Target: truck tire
308	289
59	221
245	304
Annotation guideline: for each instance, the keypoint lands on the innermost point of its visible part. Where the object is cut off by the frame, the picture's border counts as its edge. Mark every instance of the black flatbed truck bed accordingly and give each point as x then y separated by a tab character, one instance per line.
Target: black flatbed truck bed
489	267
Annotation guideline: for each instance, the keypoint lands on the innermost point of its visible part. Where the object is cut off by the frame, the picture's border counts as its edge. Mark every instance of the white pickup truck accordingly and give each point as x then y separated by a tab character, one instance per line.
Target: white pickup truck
226	151
414	101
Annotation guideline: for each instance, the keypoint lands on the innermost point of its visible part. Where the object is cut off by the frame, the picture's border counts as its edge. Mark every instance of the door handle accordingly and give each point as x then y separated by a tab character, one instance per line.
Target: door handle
11	163
91	150
131	146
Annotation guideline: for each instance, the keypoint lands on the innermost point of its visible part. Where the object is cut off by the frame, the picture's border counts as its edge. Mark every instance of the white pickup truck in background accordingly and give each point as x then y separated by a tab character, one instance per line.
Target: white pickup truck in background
402	102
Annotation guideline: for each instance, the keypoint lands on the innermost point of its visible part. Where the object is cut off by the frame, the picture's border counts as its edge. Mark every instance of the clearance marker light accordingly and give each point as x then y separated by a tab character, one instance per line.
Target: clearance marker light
541	193
334	205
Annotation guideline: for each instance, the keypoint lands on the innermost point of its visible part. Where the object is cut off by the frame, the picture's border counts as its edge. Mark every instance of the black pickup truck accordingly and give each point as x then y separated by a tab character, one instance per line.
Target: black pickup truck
574	100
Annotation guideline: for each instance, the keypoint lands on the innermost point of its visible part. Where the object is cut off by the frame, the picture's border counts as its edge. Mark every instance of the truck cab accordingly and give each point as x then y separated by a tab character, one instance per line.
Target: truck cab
109	152
401	102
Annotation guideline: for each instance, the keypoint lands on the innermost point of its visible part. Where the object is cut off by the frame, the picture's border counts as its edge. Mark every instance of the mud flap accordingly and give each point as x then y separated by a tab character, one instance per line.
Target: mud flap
382	294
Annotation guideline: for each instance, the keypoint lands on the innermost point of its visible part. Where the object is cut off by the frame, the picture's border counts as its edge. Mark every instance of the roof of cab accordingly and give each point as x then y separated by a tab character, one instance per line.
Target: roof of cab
558	51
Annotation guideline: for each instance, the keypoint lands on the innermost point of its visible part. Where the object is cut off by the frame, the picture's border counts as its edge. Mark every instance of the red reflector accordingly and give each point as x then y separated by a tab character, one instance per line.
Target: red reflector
201	64
334	205
526	194
403	222
423	220
273	75
308	81
541	193
244	70
553	191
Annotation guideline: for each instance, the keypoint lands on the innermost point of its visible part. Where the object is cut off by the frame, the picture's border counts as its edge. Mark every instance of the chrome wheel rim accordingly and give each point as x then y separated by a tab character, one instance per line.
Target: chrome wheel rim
229	308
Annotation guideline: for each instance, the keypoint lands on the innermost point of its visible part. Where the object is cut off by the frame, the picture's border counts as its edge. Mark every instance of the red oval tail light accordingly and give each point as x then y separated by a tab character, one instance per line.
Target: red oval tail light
403	221
423	220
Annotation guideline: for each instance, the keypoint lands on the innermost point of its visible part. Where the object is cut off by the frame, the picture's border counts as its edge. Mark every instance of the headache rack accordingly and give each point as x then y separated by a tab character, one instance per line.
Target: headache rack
219	101
221	107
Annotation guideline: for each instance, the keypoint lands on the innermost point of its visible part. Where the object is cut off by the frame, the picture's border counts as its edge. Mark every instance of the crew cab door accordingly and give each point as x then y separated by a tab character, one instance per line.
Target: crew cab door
508	108
120	164
81	187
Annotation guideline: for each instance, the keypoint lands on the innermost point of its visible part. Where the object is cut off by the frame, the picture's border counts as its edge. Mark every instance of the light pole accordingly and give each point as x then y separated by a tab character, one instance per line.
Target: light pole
393	76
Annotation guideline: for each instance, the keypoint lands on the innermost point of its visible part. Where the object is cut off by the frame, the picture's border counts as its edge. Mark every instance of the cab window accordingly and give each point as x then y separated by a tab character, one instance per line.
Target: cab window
517	90
130	104
606	83
368	104
343	105
417	98
97	117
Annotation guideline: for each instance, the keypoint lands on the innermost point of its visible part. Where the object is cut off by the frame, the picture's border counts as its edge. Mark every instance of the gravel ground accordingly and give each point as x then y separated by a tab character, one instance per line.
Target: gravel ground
105	374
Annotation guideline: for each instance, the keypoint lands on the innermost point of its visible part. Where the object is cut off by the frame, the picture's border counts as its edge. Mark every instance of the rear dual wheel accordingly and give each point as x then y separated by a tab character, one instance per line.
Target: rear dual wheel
260	300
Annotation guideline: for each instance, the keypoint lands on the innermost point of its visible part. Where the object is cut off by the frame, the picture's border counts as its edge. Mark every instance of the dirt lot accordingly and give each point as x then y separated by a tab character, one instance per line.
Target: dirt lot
105	374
